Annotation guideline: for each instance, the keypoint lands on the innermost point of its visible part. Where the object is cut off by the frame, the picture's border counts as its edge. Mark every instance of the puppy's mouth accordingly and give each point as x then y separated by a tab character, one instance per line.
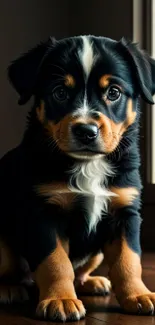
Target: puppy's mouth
85	154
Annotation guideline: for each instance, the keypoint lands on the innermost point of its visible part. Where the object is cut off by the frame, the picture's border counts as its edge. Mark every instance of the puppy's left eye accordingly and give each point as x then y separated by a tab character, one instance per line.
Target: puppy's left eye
113	93
60	94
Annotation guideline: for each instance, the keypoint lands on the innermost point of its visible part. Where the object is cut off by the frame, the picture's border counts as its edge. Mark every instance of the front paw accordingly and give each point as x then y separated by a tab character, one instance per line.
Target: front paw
61	309
140	304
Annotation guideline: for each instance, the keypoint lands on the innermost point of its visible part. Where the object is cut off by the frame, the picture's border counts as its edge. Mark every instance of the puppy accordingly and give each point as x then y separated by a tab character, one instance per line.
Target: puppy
71	190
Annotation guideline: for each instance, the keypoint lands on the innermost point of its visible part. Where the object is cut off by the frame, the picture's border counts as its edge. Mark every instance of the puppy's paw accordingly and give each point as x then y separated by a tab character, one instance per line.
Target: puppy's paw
142	304
13	294
61	310
95	285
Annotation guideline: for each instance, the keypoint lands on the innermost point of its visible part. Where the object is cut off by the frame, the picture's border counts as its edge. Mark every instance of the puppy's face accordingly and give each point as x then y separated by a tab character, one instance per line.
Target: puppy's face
87	95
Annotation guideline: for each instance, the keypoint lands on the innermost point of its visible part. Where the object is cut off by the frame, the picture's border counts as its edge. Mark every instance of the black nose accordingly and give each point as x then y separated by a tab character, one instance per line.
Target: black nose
86	133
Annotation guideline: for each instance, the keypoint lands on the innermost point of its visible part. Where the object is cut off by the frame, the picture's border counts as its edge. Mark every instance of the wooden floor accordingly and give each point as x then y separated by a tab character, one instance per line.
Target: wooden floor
100	310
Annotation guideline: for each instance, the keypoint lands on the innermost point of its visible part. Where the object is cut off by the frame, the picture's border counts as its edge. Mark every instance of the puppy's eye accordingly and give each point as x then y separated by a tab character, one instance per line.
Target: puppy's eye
113	93
60	94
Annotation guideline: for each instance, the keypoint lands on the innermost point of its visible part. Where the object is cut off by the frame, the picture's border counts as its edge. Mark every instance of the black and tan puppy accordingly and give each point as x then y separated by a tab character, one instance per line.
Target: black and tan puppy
71	190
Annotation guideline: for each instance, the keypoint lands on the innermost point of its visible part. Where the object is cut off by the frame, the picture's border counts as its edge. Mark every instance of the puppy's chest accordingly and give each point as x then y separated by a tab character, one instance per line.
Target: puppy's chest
86	189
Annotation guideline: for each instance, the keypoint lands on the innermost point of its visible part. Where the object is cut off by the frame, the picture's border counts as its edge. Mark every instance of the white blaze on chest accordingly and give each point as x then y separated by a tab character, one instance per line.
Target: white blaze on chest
90	179
86	55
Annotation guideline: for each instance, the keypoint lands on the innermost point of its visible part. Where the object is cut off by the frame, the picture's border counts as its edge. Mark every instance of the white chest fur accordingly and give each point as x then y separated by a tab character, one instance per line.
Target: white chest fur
90	178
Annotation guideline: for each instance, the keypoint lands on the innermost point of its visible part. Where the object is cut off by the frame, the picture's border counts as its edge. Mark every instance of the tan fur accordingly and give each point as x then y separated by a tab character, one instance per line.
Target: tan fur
112	132
131	115
104	80
94	285
60	131
125	274
94	261
40	111
54	277
125	196
69	81
57	193
85	283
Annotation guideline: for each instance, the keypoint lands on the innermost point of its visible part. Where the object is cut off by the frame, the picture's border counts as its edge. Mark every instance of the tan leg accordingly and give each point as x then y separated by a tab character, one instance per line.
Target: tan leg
55	277
125	275
92	285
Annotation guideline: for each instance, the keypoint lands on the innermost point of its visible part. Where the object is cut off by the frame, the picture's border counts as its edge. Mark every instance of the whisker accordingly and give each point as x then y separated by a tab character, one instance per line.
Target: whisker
57	66
58	75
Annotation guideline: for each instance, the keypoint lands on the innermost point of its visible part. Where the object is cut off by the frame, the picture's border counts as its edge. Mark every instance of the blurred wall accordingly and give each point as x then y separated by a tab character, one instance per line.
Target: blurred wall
23	23
110	18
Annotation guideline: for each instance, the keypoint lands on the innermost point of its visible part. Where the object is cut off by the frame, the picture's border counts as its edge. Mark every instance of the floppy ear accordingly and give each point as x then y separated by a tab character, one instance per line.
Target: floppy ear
144	68
23	72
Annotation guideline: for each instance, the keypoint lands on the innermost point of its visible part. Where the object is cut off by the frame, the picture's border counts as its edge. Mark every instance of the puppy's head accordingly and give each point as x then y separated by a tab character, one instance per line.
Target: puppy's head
86	89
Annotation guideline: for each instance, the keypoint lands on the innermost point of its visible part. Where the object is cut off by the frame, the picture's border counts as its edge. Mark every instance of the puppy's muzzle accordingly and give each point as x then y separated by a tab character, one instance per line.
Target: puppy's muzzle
85	133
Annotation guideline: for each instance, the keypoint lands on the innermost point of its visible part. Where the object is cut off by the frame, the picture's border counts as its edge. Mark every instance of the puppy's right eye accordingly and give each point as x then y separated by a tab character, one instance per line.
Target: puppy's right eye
60	94
113	93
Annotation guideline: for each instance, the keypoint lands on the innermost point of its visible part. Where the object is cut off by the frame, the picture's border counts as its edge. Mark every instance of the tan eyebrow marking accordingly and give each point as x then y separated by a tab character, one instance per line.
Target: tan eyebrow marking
69	81
104	80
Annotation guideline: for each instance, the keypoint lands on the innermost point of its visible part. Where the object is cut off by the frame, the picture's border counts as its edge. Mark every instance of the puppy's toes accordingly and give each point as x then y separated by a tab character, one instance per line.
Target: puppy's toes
143	304
95	285
61	310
